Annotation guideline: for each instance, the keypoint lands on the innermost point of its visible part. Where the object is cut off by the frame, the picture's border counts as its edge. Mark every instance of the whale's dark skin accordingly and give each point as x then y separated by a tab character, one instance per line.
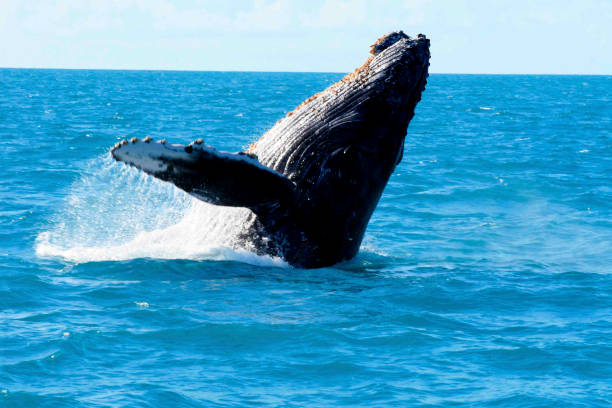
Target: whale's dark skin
314	179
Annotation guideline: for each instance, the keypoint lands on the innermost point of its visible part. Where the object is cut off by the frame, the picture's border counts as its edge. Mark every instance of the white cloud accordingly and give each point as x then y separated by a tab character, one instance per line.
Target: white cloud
467	35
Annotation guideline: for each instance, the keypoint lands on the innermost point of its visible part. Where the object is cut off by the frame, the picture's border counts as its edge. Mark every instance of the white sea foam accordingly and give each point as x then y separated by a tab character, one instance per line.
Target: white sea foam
118	213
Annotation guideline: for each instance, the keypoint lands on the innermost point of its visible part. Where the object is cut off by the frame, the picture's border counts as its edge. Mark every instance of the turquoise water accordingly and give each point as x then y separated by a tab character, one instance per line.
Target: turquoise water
484	279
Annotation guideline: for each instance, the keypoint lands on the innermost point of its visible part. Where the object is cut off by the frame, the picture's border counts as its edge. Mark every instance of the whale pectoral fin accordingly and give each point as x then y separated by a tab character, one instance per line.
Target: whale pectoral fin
236	180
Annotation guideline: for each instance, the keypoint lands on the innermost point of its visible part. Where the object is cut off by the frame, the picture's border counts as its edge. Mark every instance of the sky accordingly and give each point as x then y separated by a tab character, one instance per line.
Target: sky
467	36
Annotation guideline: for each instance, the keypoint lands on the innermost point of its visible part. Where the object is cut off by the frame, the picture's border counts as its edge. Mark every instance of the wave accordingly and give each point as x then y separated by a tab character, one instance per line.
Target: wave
114	213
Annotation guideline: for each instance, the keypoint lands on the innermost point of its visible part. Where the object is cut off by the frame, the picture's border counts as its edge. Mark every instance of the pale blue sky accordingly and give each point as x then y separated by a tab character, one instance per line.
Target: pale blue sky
467	36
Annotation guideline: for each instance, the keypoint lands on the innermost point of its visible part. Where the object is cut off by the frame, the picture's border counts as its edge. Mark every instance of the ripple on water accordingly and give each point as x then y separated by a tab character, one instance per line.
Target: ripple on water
483	279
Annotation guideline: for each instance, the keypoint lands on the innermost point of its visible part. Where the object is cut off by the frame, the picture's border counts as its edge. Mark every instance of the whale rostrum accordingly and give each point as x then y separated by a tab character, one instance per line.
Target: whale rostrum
314	179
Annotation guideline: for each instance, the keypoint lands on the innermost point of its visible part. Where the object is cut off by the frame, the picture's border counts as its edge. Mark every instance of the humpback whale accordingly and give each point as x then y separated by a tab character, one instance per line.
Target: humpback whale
314	179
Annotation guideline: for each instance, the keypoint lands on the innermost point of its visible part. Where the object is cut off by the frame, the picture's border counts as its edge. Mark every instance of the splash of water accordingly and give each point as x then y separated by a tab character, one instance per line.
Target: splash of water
118	213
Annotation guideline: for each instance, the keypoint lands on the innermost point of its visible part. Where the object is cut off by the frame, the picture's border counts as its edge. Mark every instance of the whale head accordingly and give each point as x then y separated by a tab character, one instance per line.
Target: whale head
341	146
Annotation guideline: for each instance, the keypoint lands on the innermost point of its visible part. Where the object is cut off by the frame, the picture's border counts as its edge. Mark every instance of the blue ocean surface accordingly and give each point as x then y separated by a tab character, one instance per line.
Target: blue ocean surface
484	279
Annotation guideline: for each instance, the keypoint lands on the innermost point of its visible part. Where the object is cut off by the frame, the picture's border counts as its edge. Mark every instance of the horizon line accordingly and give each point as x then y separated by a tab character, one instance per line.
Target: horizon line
281	71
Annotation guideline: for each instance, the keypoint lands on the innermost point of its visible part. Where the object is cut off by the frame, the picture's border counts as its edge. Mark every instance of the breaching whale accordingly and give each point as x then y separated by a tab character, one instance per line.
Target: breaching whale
313	180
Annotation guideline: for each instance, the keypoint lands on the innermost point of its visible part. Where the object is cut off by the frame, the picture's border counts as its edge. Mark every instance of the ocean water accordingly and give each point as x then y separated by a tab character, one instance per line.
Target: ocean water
484	279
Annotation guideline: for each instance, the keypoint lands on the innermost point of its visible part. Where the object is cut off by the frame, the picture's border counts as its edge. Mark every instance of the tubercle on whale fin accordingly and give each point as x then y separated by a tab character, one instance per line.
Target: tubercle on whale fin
196	143
118	145
134	140
149	139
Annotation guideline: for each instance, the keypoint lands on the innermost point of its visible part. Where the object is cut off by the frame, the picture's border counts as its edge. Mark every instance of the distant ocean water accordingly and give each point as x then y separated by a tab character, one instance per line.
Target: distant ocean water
484	280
